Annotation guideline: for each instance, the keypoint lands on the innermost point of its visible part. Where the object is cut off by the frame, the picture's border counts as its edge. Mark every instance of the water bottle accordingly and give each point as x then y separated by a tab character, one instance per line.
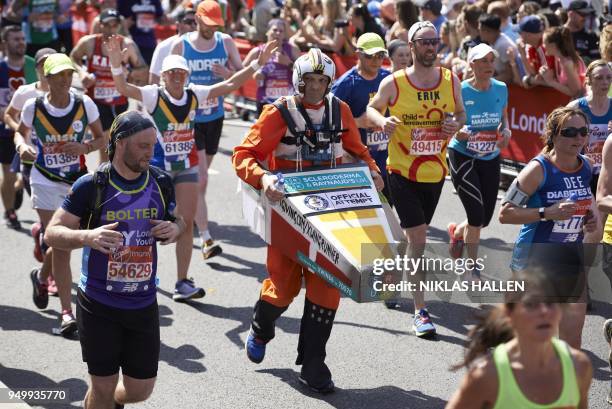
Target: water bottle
280	182
573	197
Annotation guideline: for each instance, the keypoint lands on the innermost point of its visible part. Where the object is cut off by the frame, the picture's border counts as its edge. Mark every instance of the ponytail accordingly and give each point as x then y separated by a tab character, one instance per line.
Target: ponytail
493	328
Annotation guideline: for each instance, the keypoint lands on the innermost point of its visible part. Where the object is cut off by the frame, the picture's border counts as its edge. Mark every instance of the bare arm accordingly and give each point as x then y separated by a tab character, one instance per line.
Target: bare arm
22	143
387	93
239	78
63	233
83	49
604	186
478	388
233	55
11	117
528	181
177	47
116	56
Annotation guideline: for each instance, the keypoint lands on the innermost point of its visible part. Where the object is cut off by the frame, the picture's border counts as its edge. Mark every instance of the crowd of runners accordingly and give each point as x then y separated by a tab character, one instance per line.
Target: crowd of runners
426	99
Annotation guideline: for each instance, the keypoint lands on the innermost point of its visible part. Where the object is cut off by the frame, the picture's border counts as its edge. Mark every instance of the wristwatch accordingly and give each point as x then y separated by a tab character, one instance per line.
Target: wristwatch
542	217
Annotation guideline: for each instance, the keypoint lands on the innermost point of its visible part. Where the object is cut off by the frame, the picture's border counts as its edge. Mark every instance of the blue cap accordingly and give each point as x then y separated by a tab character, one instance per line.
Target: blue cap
531	24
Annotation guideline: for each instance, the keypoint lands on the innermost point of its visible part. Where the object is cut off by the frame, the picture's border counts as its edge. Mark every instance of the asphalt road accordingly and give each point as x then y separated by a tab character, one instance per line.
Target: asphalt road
375	359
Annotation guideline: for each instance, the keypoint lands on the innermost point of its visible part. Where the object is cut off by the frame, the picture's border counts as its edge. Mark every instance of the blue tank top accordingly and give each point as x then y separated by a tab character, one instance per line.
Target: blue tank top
484	111
201	64
556	185
357	92
598	132
126	277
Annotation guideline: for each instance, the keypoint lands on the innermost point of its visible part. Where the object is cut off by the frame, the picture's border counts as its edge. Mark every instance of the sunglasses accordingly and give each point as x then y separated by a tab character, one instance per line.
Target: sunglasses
378	56
190	21
428	41
573	132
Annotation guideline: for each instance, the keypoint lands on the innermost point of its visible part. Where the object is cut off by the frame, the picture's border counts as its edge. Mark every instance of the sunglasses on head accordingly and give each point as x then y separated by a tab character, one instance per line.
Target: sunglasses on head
428	41
572	131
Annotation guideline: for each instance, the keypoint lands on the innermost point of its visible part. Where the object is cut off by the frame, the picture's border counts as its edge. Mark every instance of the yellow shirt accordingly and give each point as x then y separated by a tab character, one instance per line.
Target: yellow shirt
607	236
417	148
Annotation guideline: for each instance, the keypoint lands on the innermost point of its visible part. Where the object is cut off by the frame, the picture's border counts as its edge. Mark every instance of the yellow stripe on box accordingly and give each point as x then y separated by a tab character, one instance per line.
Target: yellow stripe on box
352	239
348	215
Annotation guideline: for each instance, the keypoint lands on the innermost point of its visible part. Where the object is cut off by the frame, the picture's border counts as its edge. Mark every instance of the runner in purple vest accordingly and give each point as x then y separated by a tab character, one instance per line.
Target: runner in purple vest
122	209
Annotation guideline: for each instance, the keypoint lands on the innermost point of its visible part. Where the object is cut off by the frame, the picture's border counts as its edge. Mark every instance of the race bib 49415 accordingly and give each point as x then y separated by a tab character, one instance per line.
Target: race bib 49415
427	141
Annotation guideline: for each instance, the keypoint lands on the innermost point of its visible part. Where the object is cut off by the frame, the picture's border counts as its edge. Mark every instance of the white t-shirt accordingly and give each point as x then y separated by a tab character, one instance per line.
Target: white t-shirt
501	46
150	93
27	114
161	52
24	93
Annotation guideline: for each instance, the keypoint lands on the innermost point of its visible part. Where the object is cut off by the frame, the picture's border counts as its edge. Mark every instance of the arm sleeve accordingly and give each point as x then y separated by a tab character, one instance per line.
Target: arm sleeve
170	207
27	115
80	195
92	110
201	92
258	145
351	139
149	97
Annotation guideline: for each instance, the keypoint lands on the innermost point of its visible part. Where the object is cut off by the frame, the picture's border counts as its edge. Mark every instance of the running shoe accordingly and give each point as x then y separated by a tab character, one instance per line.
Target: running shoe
11	220
35	231
39	290
422	325
18	199
210	249
327	387
68	324
186	290
455	246
255	348
392	304
51	286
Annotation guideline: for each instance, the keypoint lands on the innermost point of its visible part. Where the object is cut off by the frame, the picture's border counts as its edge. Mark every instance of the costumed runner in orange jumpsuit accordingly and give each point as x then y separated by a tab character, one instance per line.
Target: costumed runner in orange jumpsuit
310	128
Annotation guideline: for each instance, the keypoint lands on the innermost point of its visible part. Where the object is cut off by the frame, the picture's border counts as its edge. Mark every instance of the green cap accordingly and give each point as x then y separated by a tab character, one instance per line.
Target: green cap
57	63
371	43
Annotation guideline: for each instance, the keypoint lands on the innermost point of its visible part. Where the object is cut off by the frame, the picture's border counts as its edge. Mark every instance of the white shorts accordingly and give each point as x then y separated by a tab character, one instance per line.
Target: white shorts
49	196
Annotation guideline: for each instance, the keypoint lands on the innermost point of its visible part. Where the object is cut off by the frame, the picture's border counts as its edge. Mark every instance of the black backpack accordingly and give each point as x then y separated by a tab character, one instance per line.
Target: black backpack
101	177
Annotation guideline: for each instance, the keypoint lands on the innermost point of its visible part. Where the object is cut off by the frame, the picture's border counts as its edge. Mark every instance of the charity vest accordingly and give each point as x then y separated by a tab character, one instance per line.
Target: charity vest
175	148
201	64
285	151
41	29
417	148
104	90
557	185
598	133
51	134
510	396
277	80
125	278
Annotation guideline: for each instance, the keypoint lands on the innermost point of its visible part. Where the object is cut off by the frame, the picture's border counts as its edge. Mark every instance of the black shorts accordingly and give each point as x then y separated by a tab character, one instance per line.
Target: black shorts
113	338
207	135
7	151
415	202
477	184
108	113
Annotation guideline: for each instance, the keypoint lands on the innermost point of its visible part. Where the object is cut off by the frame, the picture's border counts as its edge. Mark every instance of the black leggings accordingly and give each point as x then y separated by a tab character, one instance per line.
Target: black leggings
477	183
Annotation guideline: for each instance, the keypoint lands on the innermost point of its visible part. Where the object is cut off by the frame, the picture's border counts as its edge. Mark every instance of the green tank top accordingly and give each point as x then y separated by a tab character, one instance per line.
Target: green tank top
510	395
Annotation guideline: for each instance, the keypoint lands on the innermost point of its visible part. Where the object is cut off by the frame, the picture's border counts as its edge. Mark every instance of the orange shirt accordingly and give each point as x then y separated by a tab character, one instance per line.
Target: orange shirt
264	136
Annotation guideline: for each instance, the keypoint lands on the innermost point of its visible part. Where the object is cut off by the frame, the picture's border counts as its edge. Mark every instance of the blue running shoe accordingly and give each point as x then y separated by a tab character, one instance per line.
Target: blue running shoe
255	348
186	290
422	325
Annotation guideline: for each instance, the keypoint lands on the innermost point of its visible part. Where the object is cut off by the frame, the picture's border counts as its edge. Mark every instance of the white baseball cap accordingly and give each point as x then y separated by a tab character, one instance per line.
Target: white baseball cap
480	51
174	61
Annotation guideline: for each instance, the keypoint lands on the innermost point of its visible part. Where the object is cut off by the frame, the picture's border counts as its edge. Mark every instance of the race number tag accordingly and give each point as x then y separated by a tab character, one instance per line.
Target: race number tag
145	21
105	90
482	142
56	159
570	230
177	144
129	269
597	137
275	89
377	139
427	141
